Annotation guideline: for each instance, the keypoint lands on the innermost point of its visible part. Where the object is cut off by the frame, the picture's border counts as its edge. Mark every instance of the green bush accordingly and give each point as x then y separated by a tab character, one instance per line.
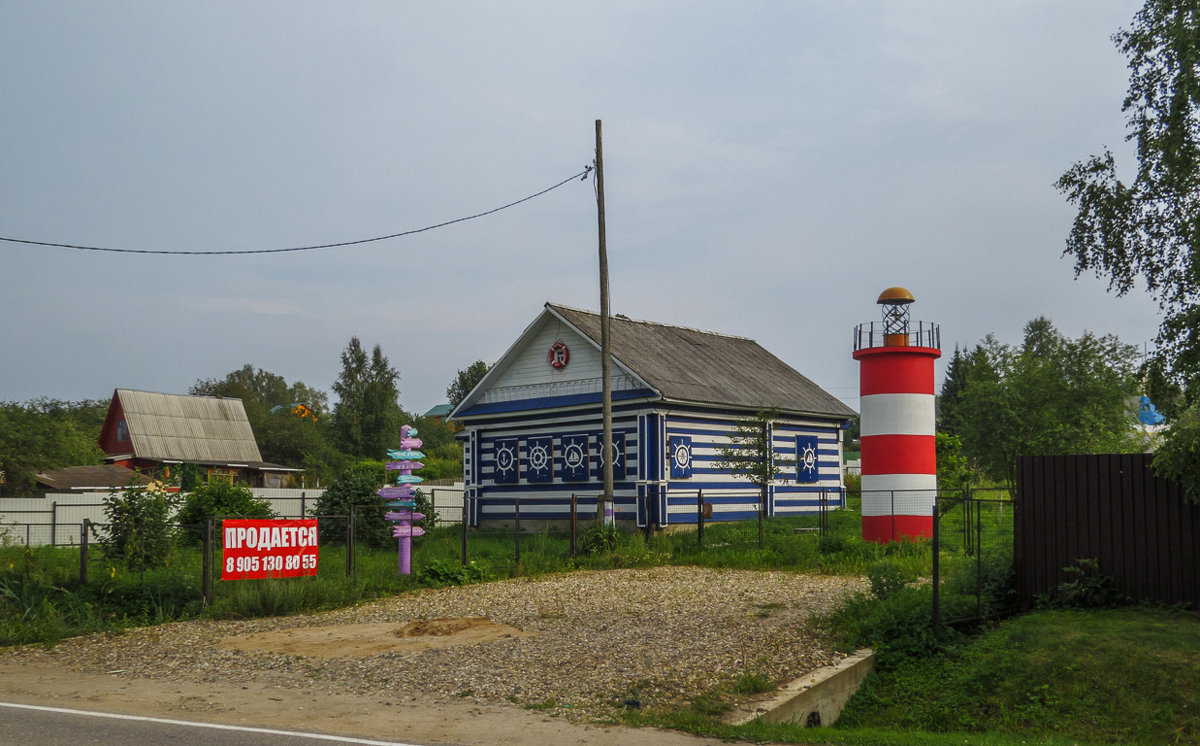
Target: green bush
599	539
218	500
441	573
356	486
887	578
853	482
899	628
138	530
994	579
1086	588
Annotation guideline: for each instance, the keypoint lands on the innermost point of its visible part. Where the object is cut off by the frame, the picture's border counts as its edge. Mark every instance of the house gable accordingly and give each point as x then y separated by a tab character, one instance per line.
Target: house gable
524	377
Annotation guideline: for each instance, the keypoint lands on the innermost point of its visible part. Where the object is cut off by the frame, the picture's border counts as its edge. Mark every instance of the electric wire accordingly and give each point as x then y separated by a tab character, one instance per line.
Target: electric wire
582	175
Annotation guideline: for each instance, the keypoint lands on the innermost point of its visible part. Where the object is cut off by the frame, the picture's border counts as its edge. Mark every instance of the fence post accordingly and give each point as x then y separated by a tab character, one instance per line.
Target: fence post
700	518
978	558
350	543
936	571
464	527
893	512
517	503
574	521
207	584
53	523
762	512
303	505
83	552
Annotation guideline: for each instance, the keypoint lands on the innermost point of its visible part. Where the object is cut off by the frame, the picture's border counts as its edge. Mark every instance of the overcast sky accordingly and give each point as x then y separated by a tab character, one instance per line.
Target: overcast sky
769	169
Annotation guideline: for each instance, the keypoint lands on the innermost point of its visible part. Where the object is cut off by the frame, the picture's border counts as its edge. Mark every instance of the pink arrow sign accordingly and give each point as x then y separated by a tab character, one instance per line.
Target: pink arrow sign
403	515
411	442
396	493
402	532
403	465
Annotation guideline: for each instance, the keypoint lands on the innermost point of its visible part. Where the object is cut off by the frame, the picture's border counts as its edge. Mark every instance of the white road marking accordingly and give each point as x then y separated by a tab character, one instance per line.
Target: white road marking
215	726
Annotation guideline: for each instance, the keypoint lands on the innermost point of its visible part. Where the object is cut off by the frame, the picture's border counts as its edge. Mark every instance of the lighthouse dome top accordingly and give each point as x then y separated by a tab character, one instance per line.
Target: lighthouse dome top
895	296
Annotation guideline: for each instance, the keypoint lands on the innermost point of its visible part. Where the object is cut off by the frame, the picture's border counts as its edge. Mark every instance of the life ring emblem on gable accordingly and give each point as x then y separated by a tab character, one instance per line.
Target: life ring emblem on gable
559	356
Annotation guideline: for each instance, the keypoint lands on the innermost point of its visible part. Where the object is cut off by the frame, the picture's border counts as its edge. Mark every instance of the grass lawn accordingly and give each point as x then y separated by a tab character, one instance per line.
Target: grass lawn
1129	675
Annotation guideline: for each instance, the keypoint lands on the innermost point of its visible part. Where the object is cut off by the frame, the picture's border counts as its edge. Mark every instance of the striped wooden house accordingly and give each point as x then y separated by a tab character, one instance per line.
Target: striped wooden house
532	426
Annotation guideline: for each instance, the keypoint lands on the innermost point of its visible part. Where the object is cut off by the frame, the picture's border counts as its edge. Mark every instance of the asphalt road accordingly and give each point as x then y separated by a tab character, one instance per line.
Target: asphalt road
32	725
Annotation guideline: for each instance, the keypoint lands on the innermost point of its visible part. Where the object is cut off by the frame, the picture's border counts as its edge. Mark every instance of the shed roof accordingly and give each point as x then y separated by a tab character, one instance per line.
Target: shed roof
439	410
99	477
196	429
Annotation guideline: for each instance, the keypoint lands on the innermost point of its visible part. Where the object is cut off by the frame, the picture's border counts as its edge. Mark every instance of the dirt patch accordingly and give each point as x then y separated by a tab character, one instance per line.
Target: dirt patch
367	640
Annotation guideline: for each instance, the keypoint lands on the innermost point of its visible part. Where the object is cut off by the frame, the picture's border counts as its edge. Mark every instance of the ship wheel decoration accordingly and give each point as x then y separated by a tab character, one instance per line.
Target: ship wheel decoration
683	455
505	459
538	457
808	459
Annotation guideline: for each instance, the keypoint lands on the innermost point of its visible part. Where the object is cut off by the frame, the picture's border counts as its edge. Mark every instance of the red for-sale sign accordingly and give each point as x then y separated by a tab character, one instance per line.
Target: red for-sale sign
256	548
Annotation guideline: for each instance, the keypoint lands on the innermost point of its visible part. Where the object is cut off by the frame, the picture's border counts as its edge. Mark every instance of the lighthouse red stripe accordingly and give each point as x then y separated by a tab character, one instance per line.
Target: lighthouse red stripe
897	373
898	454
885	528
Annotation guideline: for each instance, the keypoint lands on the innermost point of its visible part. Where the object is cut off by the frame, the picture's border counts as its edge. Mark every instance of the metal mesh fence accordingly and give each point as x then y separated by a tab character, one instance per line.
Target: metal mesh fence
973	553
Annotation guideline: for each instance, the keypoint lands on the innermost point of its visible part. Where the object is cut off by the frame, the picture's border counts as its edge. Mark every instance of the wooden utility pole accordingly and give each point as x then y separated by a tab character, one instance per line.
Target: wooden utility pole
605	350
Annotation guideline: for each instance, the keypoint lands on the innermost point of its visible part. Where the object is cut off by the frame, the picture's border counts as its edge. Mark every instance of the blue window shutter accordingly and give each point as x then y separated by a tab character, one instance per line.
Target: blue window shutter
539	459
505	461
807	467
681	457
576	458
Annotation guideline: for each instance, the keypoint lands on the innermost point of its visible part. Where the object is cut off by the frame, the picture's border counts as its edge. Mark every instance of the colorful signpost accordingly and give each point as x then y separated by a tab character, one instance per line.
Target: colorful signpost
400	502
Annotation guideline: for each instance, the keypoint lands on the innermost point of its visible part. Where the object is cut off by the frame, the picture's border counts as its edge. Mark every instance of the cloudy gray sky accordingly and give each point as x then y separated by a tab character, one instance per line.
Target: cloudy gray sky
769	169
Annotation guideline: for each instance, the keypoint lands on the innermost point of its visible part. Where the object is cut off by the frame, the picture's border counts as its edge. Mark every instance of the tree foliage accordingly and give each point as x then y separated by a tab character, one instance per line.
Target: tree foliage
281	437
467	379
1051	395
367	417
262	389
139	530
750	453
218	500
964	365
355	487
954	470
1149	228
45	434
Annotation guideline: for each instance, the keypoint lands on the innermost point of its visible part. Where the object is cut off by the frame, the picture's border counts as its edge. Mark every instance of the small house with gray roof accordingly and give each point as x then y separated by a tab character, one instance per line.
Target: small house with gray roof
532	426
157	433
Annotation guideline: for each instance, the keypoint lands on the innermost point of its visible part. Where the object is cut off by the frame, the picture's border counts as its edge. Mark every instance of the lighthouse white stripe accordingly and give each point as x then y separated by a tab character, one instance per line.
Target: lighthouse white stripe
897	414
909	494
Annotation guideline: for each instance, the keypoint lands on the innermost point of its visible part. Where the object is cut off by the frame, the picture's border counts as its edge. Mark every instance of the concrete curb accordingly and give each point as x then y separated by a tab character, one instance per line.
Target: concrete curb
817	698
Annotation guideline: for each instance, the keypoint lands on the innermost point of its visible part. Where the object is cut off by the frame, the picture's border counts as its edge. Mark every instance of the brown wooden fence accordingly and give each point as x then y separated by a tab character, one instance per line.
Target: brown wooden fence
1111	508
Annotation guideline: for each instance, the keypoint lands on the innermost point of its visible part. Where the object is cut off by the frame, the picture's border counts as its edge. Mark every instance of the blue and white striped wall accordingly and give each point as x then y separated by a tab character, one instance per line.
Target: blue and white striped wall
654	488
526	459
797	491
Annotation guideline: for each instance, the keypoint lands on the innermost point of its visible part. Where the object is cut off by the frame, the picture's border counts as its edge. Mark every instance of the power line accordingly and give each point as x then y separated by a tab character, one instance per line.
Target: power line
581	175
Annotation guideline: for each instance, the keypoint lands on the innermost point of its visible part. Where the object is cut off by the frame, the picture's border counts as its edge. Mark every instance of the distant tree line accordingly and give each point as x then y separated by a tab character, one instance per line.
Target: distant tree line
1050	395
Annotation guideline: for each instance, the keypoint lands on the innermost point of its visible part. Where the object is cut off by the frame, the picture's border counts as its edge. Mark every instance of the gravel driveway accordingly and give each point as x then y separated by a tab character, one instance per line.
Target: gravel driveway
661	635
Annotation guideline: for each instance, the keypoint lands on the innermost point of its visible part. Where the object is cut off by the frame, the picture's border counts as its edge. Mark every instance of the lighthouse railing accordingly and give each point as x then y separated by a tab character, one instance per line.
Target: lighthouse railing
919	334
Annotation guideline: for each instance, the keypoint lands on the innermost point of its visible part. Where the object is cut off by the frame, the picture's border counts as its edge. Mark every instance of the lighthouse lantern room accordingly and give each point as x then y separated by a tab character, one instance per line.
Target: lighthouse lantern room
899	461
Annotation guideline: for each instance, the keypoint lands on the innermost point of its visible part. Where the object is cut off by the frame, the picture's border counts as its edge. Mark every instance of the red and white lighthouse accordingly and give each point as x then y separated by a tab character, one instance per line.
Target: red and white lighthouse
896	419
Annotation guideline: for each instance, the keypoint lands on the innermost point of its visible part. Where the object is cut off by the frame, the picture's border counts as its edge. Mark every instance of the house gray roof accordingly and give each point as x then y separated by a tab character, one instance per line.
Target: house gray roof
691	365
195	429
